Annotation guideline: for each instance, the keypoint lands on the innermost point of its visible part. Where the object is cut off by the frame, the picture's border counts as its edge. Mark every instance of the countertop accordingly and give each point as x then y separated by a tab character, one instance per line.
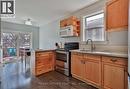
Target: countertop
104	53
42	50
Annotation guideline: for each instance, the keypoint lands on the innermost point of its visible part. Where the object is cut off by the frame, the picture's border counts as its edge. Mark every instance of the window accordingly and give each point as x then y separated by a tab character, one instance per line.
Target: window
94	27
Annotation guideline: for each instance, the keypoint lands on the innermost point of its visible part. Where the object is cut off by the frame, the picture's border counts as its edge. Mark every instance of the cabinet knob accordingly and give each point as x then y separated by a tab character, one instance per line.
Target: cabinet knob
82	61
113	60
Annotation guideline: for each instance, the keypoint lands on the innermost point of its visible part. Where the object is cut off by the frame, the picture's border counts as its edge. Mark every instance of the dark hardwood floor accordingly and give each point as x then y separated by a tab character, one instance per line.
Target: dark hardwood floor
14	76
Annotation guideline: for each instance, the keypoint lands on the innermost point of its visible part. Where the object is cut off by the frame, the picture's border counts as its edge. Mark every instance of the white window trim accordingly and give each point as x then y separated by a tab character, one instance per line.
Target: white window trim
83	33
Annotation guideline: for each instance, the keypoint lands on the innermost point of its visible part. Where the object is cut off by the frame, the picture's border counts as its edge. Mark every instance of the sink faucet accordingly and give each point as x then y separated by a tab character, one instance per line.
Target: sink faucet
92	45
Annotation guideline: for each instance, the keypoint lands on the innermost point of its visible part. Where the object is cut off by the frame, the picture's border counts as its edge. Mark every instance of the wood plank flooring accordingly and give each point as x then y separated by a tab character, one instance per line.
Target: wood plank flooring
15	77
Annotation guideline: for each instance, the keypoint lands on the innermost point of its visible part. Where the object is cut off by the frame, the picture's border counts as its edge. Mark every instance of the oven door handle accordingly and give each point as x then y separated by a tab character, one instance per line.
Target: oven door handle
61	60
59	67
62	52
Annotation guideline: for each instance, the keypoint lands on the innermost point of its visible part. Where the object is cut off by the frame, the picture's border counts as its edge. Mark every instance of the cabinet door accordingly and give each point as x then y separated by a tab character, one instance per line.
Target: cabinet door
77	66
44	62
52	60
93	72
113	77
117	14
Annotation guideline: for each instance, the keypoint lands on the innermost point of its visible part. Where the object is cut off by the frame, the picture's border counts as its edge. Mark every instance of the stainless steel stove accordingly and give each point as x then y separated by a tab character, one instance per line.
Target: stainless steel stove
63	58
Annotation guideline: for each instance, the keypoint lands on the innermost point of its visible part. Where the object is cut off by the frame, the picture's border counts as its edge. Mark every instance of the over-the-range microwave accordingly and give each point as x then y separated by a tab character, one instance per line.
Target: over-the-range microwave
67	31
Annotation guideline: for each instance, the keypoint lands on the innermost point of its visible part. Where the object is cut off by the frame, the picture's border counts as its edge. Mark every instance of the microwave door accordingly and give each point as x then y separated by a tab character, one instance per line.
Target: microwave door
63	33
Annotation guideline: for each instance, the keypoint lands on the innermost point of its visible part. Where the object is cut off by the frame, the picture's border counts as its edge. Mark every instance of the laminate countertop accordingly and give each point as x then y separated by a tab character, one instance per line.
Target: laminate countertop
42	50
104	53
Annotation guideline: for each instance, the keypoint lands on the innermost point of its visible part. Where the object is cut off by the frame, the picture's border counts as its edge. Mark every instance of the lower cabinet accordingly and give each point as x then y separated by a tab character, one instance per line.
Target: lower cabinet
114	73
100	71
93	69
86	68
77	66
44	62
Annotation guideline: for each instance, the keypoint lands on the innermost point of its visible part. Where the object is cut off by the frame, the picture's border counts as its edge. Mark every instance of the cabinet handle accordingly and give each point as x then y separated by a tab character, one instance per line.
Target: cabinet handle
113	60
82	61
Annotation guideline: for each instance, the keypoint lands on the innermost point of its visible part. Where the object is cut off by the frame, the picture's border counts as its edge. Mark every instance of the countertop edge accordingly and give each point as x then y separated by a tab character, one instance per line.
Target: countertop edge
114	54
45	50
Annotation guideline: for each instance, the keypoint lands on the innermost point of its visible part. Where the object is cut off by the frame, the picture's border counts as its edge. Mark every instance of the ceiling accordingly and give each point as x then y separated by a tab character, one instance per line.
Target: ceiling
42	12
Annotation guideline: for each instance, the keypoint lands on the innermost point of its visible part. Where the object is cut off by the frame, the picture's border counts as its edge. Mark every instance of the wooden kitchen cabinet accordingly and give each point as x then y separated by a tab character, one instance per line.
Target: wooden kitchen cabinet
44	62
100	71
71	21
77	65
117	15
86	68
93	69
114	75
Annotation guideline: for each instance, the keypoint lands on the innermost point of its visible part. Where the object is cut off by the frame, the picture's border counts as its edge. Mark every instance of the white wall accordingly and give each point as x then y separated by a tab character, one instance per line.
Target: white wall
49	33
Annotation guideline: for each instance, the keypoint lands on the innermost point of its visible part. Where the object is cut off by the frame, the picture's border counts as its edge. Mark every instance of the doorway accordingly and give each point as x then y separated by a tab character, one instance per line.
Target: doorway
16	43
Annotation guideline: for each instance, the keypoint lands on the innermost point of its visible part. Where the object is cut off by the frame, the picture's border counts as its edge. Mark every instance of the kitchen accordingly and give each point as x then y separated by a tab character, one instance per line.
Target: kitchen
94	38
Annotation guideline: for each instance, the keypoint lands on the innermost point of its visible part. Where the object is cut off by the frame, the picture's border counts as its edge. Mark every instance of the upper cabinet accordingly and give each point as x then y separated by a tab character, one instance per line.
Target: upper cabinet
70	27
117	15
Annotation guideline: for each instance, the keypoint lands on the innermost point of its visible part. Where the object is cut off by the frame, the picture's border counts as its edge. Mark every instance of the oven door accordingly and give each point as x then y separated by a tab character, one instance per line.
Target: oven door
62	70
62	62
62	59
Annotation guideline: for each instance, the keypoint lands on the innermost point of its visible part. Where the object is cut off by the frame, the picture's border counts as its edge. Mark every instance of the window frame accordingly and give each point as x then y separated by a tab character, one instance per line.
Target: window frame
84	27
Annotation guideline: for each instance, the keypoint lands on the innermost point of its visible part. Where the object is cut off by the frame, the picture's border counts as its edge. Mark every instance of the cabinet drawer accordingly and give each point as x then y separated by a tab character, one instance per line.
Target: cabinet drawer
39	62
47	68
47	61
93	57
42	54
43	69
43	61
39	70
114	60
74	53
42	57
39	54
80	54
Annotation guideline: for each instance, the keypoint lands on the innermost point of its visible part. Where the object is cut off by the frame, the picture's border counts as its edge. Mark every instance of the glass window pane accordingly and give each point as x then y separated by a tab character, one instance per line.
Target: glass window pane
25	40
9	41
94	27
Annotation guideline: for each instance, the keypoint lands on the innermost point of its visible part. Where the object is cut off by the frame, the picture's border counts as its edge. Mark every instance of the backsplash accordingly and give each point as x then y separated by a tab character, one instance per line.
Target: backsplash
117	41
106	48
